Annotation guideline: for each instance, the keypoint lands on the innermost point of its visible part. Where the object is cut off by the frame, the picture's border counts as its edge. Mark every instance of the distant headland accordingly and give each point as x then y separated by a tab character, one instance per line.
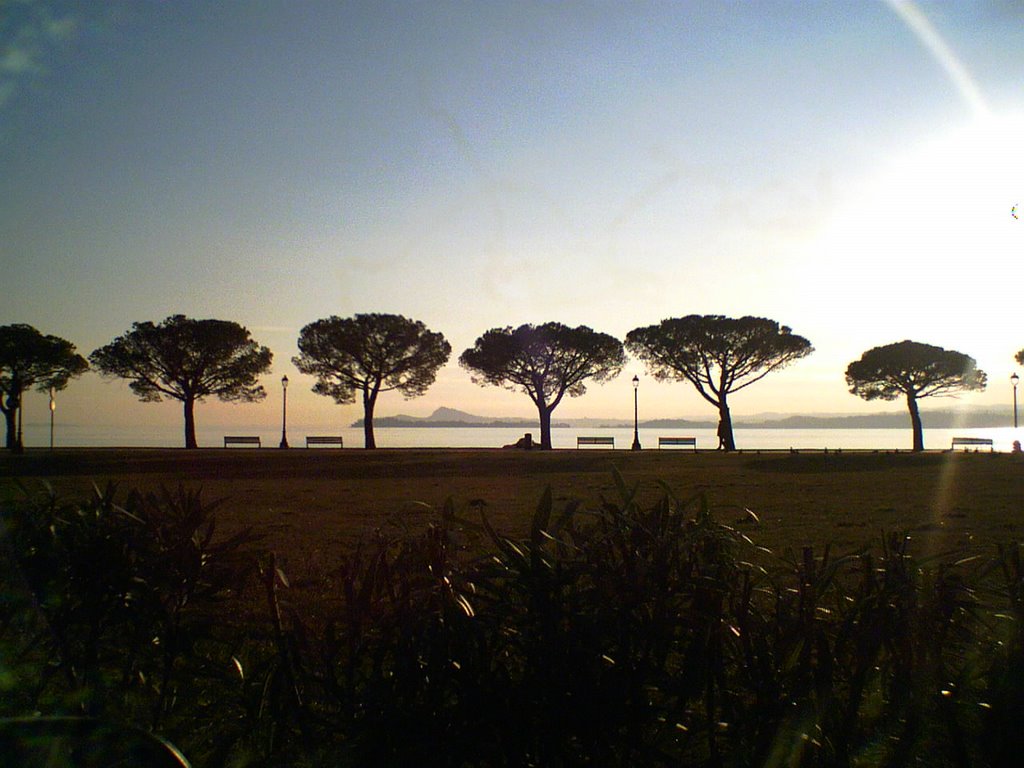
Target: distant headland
452	418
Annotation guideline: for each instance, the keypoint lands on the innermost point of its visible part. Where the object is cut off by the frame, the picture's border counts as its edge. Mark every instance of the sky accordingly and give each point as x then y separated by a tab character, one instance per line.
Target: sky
849	169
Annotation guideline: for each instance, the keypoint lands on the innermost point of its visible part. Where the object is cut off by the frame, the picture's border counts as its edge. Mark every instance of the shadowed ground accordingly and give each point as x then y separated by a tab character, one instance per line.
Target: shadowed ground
310	503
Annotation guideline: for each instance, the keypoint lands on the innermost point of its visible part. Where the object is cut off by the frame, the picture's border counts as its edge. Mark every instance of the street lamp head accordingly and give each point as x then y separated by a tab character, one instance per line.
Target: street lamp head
636	382
1014	379
284	382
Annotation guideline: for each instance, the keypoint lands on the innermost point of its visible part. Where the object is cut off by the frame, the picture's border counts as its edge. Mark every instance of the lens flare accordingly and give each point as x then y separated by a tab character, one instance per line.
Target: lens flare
929	37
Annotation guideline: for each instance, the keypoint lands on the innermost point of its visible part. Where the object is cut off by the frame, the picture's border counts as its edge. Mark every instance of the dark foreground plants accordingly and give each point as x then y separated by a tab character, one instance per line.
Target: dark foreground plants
116	609
621	634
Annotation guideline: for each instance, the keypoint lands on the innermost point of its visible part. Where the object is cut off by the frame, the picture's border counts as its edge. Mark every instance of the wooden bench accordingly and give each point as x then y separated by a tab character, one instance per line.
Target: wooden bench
241	440
581	441
324	440
687	441
971	441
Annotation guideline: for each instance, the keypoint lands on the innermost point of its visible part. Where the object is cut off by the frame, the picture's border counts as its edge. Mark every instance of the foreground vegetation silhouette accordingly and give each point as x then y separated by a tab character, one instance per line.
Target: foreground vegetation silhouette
612	634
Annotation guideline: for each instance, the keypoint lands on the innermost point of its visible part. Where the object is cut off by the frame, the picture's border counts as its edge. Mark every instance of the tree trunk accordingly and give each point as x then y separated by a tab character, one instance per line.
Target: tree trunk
369	401
190	423
726	440
545	426
9	416
12	415
915	422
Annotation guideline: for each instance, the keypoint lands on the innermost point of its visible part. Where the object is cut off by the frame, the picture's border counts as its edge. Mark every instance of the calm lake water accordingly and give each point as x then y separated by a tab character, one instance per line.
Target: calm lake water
67	436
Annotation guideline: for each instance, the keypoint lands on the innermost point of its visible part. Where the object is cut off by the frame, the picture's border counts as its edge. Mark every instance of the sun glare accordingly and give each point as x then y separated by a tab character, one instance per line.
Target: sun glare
930	242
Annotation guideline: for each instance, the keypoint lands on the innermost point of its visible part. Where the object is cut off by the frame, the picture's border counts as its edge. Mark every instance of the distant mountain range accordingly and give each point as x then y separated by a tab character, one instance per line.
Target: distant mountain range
981	418
449	417
934	419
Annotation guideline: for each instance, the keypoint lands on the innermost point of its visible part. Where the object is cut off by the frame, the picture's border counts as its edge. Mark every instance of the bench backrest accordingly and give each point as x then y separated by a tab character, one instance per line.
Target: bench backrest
240	440
324	440
690	441
970	441
595	441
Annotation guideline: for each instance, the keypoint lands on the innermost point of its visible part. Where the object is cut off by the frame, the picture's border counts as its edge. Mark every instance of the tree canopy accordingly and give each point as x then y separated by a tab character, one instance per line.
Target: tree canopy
30	359
1019	357
718	355
913	370
370	353
187	360
546	362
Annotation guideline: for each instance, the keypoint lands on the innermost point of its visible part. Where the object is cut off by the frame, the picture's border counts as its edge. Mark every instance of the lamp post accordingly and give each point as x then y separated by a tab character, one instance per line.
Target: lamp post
1013	380
284	412
53	407
636	421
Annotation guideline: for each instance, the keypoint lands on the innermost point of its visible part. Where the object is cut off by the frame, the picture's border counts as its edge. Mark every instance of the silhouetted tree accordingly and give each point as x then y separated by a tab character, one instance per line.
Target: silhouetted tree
27	359
718	355
546	362
187	360
913	370
1019	357
370	353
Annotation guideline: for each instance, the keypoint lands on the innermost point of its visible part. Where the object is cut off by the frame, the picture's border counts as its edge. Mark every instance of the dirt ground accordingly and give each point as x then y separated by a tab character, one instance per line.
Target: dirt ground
311	503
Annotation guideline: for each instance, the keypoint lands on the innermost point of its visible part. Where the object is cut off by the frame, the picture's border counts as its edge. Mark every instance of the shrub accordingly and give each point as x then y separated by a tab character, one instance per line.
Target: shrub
616	634
115	610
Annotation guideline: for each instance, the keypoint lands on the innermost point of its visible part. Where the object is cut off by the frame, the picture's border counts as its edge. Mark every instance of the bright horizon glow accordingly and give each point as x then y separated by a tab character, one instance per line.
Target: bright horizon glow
942	208
845	169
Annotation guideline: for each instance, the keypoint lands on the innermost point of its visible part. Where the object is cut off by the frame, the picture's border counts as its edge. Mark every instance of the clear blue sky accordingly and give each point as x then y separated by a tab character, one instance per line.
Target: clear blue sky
846	168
